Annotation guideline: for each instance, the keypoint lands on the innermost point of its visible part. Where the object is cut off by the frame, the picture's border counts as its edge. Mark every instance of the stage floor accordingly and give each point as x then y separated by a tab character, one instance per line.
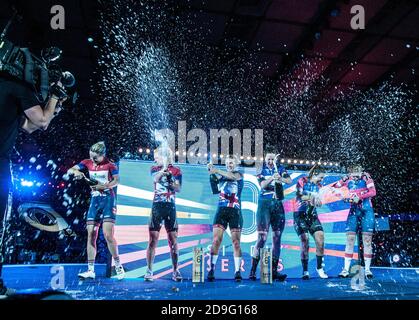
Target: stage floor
388	283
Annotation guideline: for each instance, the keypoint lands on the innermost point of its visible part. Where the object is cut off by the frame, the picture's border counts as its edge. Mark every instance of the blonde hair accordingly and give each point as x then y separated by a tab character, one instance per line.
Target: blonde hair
99	148
234	158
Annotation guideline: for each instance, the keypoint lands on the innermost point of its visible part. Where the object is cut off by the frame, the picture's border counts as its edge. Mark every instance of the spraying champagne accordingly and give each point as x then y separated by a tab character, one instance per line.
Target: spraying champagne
166	155
278	188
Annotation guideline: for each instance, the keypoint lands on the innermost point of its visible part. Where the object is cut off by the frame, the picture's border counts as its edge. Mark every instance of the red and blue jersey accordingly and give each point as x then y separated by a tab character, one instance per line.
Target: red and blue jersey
266	173
162	192
230	192
102	172
305	187
364	188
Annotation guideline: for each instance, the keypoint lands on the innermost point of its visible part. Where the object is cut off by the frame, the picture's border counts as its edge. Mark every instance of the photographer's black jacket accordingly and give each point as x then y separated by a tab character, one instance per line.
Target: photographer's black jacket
15	98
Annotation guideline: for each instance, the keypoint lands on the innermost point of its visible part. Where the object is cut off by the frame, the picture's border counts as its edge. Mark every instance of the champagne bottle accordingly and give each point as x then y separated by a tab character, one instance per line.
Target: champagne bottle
91	181
279	191
214	184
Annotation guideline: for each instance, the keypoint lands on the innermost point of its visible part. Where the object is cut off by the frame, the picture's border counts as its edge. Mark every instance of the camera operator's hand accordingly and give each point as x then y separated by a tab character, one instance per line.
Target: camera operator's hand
58	109
39	117
58	92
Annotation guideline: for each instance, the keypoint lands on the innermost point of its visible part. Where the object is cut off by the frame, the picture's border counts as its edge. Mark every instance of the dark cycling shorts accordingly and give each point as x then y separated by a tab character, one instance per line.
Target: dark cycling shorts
362	217
270	212
102	208
227	216
306	223
163	211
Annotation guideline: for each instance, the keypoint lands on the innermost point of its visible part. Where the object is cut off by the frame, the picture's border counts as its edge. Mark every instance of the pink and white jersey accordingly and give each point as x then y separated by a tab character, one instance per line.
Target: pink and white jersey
103	172
162	192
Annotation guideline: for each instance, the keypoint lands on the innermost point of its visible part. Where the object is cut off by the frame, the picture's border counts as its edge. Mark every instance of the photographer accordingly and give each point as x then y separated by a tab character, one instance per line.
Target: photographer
19	107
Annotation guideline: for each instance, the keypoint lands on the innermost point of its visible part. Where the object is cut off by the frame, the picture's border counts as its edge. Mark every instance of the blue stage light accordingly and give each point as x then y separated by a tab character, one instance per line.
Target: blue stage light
31	183
396	258
25	183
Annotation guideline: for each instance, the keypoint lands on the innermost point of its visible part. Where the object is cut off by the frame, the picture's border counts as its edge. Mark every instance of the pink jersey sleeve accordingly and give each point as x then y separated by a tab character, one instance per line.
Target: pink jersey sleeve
113	169
371	192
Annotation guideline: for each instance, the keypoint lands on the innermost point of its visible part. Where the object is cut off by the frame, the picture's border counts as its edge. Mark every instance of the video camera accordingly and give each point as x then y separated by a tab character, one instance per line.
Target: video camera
42	73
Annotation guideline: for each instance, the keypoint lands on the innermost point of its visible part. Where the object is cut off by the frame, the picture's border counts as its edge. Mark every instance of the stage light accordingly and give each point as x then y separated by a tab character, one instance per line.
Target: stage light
396	258
289	161
408	45
307	162
221	156
282	160
25	183
261	158
241	157
90	39
147	151
325	163
337	164
331	164
141	150
199	154
295	161
184	153
248	158
301	161
254	158
177	152
191	154
206	154
214	155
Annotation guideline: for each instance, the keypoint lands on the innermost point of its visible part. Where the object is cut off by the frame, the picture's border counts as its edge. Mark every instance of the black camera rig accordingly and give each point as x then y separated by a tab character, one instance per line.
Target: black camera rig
42	73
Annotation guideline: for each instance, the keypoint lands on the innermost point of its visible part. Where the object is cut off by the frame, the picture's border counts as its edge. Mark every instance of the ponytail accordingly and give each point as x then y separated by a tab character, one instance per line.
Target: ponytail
99	148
